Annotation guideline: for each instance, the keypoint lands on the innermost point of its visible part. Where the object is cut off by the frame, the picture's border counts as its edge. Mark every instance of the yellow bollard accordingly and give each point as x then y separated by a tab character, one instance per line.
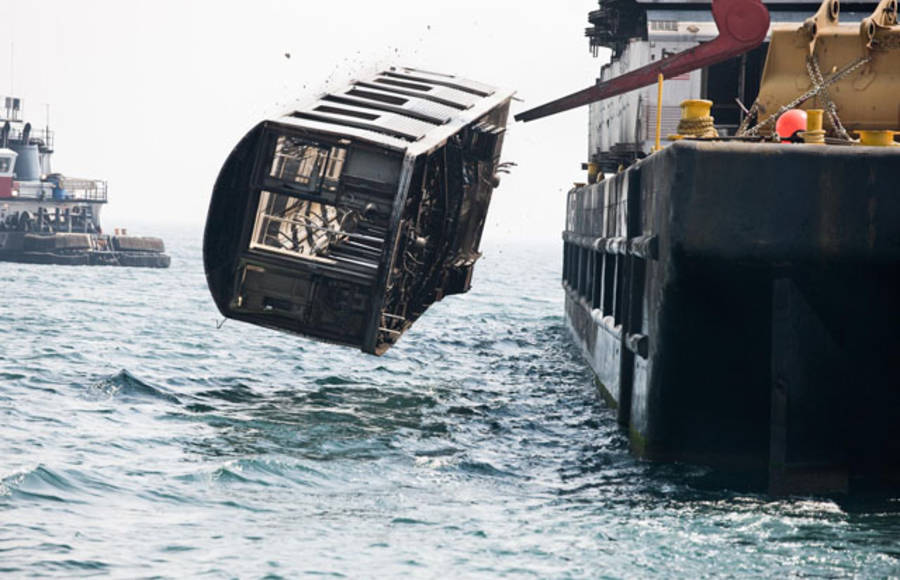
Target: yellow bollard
876	138
814	134
593	171
696	120
695	109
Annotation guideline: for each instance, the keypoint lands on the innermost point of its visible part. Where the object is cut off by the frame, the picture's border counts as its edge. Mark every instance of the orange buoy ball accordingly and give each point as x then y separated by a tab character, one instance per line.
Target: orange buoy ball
790	123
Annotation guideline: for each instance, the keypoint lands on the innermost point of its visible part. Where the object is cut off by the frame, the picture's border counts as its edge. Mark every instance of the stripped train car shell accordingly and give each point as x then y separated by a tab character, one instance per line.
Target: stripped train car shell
344	220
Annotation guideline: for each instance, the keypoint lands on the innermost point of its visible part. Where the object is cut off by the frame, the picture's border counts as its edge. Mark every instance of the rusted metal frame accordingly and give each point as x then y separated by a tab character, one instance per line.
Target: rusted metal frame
879	23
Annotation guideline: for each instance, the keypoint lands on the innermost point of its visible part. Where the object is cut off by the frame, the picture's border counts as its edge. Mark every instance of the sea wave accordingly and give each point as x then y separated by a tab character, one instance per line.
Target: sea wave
138	439
125	386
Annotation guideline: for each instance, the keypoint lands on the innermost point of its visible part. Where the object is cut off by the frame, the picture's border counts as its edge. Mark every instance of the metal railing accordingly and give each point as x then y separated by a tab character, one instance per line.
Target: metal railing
42	136
86	189
73	189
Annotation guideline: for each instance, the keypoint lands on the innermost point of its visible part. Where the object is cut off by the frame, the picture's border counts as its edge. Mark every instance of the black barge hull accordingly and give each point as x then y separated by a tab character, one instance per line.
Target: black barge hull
83	249
740	306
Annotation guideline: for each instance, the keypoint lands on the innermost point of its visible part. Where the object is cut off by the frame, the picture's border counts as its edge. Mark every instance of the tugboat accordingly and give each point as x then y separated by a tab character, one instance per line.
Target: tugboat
737	292
50	218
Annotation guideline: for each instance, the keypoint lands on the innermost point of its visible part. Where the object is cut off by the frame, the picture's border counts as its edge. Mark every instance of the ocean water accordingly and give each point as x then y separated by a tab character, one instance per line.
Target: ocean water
139	439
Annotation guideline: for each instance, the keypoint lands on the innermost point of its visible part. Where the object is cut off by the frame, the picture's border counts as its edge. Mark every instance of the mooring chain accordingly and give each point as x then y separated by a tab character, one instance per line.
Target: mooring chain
818	87
815	74
751	114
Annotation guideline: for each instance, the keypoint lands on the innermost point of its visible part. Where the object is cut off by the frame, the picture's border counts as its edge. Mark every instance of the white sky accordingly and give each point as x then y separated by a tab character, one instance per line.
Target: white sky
152	95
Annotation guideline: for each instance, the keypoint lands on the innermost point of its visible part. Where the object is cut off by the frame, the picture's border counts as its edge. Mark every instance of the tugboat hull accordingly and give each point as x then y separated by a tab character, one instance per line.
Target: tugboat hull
738	304
71	249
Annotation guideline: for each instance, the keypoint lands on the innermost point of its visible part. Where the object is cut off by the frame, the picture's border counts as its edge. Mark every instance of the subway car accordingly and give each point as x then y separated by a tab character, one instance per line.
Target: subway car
345	220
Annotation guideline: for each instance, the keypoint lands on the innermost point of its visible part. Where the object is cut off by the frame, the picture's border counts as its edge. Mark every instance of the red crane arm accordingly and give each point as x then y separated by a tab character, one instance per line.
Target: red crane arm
743	25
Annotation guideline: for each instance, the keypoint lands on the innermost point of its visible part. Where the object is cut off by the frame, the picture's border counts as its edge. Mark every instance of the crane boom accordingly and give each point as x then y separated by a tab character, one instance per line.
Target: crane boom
743	25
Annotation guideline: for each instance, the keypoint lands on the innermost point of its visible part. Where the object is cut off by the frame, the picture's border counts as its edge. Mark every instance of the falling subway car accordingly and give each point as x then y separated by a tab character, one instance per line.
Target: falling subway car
344	220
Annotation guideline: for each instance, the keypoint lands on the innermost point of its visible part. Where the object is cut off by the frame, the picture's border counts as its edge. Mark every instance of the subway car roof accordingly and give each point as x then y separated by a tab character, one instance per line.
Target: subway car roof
401	108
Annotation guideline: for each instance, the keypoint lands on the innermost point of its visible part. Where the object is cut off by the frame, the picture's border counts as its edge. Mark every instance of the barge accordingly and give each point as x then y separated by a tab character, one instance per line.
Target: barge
51	218
737	290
